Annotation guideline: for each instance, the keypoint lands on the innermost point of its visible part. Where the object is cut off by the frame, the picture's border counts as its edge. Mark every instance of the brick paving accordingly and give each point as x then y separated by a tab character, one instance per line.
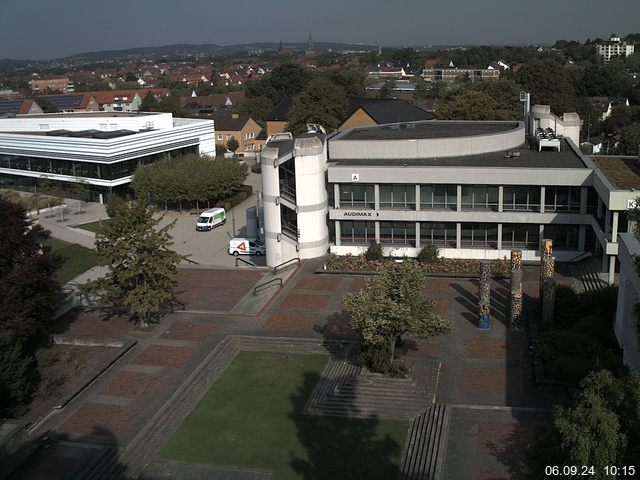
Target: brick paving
164	356
93	323
479	368
218	290
133	384
92	417
190	331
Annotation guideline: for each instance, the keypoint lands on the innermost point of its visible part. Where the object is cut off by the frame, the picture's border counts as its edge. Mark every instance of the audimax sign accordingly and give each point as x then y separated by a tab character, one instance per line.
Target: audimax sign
360	214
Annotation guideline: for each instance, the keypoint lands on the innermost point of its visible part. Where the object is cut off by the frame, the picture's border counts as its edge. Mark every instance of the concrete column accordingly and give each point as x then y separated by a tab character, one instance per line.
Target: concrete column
612	269
417	234
459	198
500	201
376	196
582	233
378	232
583	200
338	232
500	235
542	193
458	235
336	195
417	197
605	261
540	237
614	227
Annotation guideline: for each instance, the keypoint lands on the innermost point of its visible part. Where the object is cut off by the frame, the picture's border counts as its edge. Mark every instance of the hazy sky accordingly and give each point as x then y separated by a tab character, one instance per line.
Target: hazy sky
44	29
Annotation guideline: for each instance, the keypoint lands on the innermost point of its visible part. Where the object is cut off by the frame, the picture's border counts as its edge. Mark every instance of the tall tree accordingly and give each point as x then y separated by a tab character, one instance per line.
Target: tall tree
630	140
29	295
142	274
549	84
392	304
352	79
320	102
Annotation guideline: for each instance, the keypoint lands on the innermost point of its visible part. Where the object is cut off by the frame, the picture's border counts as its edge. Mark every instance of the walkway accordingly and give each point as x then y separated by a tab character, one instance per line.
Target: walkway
483	377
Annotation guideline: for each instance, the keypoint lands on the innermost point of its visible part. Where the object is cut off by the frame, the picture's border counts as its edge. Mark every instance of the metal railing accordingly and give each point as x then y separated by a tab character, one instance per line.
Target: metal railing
268	284
238	259
286	264
192	261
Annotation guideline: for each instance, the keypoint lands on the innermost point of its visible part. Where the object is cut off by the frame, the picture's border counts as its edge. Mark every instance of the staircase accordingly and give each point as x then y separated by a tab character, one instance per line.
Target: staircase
426	445
588	272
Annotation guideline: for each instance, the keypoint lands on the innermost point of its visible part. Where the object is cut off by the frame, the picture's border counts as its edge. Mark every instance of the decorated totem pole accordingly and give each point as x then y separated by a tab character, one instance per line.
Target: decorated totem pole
484	304
547	281
515	313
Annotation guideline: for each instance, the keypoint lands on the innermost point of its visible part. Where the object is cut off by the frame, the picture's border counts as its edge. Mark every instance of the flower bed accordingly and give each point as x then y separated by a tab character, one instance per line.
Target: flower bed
439	265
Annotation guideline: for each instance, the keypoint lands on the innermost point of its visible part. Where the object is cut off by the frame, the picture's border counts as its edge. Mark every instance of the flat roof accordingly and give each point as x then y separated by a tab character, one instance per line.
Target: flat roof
428	129
528	159
622	172
86	114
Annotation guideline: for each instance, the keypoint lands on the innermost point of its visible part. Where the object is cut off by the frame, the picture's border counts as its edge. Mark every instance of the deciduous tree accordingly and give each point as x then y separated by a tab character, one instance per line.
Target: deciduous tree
392	304
320	102
142	274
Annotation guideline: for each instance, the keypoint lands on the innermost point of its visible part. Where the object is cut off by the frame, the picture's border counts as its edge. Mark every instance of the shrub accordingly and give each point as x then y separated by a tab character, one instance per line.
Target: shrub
257	168
376	359
570	369
46	357
428	254
375	252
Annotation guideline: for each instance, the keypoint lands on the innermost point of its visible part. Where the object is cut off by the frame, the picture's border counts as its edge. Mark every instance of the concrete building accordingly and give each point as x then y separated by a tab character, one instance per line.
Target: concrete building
625	327
62	84
614	48
450	73
473	189
103	149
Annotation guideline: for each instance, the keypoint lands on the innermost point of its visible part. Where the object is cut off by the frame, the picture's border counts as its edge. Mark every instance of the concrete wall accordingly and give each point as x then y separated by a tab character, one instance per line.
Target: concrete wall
429	147
628	297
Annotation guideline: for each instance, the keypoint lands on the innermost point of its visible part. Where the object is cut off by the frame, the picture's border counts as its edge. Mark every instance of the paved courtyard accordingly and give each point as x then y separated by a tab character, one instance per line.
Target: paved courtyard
127	414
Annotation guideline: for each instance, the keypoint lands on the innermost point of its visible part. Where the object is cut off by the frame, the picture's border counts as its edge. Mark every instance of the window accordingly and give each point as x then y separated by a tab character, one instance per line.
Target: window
565	237
438	234
479	235
479	197
289	222
352	195
562	199
287	174
357	233
220	137
441	197
398	233
520	236
398	196
521	198
228	137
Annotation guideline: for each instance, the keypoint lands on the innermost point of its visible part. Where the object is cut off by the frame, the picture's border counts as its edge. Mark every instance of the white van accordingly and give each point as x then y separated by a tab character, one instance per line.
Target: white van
211	218
246	246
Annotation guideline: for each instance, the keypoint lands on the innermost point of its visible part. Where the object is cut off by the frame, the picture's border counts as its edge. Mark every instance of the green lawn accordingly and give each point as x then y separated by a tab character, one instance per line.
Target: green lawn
77	259
252	418
94	226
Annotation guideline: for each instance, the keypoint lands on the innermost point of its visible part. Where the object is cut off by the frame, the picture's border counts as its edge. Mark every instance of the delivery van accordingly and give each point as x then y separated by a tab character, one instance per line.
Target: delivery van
246	246
211	218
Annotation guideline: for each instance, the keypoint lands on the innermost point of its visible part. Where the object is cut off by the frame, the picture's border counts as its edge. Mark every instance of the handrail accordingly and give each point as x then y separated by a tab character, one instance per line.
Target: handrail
191	261
284	265
238	259
267	284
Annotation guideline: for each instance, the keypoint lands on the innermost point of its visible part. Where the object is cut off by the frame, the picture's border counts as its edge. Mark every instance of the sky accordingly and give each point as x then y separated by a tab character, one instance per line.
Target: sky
45	29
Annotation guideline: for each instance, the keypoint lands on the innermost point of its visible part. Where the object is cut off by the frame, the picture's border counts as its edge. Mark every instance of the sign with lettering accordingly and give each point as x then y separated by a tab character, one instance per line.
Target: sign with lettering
361	214
631	204
355	177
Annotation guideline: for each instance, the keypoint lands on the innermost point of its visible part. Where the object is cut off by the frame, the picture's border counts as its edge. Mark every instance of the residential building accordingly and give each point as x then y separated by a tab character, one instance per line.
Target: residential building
614	48
209	104
58	84
103	149
363	112
387	72
118	100
71	102
450	73
241	127
22	106
473	189
279	116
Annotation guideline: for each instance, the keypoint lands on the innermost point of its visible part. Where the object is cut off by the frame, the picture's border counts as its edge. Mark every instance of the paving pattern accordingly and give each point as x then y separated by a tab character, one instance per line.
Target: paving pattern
481	381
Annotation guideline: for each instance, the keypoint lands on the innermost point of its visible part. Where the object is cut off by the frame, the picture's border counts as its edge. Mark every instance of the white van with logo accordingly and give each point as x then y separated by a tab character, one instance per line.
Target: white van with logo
211	218
246	246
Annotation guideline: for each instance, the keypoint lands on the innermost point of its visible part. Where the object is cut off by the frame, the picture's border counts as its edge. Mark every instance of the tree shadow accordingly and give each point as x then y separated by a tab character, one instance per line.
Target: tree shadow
340	447
60	456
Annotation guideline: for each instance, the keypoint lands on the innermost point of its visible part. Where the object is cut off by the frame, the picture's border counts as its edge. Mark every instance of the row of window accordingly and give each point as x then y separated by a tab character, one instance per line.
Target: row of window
473	235
103	171
474	197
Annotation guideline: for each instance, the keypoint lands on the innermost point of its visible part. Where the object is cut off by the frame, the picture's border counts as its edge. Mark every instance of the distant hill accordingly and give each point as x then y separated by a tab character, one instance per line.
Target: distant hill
188	50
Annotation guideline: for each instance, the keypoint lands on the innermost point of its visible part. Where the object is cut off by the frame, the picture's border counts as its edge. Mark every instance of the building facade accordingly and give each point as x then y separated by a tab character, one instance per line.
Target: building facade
614	48
102	150
472	189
